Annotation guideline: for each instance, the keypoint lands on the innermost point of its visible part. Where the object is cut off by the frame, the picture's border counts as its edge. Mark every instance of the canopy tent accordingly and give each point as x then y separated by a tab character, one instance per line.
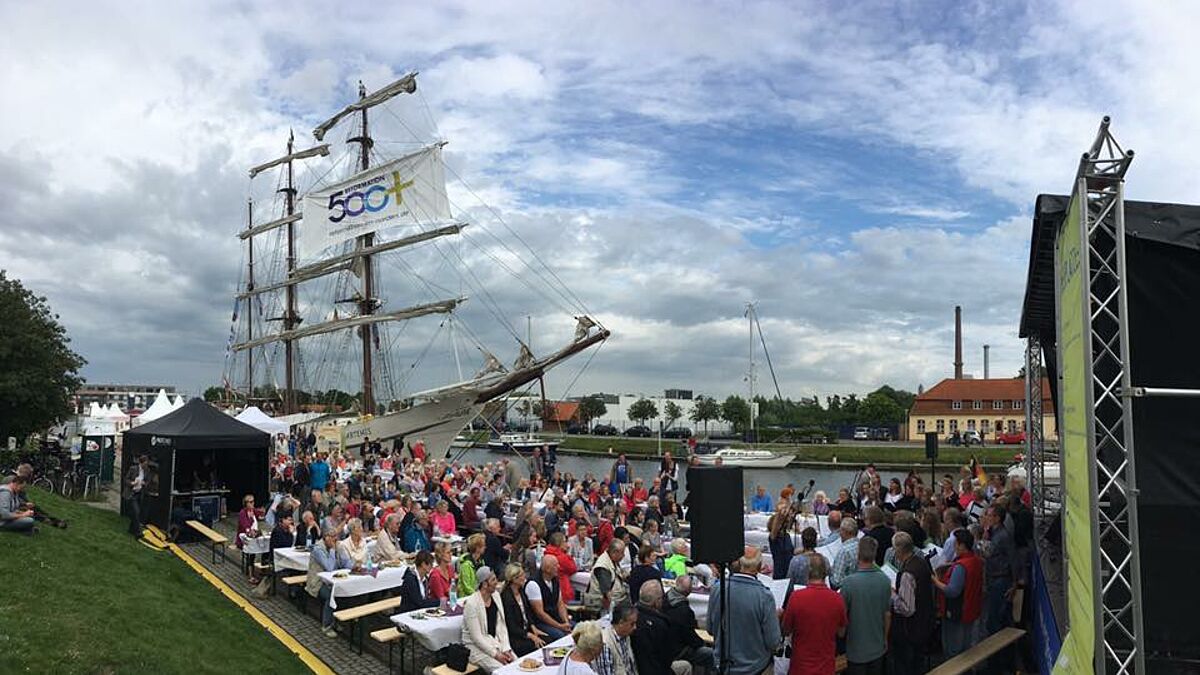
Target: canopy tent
178	403
262	421
161	407
198	452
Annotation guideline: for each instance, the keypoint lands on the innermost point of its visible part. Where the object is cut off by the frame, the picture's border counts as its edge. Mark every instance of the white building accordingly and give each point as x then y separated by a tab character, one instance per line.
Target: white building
619	404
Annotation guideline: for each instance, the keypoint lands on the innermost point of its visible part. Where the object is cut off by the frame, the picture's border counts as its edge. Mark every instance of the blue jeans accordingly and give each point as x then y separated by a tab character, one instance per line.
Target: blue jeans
552	632
957	637
17	524
999	609
326	610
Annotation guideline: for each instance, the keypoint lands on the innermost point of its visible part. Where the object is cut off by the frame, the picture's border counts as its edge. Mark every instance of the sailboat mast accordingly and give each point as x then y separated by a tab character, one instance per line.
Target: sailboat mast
367	303
750	320
250	304
290	315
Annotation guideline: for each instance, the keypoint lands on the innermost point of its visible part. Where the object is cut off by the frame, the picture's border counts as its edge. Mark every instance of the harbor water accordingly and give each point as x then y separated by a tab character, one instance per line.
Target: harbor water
826	478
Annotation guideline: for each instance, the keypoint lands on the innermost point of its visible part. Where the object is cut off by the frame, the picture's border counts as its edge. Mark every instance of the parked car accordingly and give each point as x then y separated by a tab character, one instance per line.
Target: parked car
862	434
972	438
575	428
881	434
677	432
638	431
1011	438
604	430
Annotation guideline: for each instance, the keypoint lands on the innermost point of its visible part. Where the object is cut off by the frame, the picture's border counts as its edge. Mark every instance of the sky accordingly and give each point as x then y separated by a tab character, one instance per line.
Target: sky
857	171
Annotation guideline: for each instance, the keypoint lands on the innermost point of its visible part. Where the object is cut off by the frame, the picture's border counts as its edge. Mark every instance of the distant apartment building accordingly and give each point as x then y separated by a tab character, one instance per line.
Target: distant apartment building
128	397
987	406
618	411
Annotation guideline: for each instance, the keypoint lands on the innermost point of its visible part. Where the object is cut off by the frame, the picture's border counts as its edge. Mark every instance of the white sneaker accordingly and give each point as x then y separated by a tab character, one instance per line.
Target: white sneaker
329	632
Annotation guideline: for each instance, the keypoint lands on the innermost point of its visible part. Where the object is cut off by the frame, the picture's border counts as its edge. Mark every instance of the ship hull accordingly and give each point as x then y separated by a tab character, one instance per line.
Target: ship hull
436	422
771	462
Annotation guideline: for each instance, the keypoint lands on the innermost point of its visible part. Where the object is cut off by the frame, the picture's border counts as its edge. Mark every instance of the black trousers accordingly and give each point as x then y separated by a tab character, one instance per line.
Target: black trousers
134	505
870	668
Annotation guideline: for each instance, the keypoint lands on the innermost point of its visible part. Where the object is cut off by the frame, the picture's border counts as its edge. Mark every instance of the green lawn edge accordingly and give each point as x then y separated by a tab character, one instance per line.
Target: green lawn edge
92	599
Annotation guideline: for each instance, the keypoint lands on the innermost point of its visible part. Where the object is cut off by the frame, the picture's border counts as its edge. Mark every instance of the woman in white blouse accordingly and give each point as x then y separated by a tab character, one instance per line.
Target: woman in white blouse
355	546
483	631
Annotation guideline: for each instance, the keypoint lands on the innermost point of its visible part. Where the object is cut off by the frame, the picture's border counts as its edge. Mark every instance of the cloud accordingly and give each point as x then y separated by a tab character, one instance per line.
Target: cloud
858	171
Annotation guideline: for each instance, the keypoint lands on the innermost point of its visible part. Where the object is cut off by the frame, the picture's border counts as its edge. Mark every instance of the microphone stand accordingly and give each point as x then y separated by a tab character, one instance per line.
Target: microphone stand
722	570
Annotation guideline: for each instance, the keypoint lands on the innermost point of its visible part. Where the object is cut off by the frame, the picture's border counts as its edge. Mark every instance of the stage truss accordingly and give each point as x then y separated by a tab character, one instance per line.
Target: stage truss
1035	433
1101	177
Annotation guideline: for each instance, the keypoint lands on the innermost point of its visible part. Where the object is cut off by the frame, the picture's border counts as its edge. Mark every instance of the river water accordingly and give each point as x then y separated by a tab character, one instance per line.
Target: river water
827	479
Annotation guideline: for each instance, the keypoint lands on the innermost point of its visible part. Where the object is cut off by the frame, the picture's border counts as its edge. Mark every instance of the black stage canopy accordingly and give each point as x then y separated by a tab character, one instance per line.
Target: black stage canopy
1162	254
198	451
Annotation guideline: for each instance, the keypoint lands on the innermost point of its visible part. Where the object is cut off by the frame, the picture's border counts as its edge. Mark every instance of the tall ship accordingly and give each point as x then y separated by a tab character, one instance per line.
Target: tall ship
348	281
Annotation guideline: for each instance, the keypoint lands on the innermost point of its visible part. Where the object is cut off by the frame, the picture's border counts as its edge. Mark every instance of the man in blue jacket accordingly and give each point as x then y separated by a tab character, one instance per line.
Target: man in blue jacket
753	621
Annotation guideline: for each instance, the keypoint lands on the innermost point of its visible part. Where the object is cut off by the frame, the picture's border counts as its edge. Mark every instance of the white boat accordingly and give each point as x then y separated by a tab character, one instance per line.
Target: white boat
763	459
370	212
520	443
1050	470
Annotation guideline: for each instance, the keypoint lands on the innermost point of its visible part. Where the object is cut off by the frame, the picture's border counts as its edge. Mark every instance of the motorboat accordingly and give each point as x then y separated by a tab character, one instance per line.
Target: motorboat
520	443
764	459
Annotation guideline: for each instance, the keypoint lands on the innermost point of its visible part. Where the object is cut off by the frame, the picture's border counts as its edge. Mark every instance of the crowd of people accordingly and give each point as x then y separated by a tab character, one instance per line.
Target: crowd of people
958	549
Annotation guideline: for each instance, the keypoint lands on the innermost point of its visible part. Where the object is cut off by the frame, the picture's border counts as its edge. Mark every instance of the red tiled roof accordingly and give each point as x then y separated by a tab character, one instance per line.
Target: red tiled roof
940	398
561	411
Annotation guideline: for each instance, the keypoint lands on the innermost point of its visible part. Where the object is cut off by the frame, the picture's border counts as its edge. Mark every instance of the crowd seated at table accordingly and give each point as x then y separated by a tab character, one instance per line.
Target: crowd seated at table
515	550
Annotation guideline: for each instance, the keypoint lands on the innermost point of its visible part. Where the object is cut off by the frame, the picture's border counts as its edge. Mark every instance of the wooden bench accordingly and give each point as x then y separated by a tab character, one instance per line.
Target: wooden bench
980	653
216	539
389	637
297	580
354	615
447	670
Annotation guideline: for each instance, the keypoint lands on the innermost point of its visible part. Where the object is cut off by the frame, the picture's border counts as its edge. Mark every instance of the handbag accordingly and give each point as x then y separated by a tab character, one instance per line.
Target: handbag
456	656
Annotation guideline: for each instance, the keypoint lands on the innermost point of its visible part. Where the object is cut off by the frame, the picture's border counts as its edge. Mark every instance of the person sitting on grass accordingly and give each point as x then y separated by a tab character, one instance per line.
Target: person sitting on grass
13	517
326	556
26	471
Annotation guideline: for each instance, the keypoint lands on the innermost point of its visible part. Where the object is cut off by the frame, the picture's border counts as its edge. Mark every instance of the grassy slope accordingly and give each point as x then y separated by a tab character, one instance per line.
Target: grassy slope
91	599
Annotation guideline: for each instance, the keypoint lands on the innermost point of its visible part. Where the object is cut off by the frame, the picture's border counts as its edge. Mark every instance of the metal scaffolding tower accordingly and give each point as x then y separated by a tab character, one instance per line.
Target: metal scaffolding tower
1101	180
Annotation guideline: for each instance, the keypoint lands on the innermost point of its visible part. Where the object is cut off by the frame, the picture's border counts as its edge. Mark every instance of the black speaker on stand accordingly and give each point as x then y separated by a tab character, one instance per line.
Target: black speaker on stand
718	532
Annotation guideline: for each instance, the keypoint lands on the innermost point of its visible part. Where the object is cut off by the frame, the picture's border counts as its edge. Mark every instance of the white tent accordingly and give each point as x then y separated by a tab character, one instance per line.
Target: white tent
262	421
161	407
178	402
114	412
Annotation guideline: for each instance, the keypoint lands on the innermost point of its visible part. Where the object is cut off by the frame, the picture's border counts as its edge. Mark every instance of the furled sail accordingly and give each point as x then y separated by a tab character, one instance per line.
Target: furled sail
408	191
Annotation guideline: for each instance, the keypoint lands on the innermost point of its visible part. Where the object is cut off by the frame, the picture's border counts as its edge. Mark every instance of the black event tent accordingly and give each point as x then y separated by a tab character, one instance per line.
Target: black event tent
195	451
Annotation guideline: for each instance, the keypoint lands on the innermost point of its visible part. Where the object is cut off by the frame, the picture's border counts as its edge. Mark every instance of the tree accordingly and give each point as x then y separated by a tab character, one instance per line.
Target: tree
642	410
591	408
904	399
878	409
214	394
736	411
704	410
38	371
672	412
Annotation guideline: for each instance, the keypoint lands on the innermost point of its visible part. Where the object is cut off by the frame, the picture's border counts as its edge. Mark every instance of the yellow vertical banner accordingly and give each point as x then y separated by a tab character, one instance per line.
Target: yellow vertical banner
1074	403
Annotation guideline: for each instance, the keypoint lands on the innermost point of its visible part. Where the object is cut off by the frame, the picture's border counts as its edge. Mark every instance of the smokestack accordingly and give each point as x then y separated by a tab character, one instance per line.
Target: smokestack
958	342
986	348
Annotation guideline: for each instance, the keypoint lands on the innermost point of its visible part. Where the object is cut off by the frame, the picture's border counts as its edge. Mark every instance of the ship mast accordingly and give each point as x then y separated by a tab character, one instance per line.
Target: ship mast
291	317
366	304
250	304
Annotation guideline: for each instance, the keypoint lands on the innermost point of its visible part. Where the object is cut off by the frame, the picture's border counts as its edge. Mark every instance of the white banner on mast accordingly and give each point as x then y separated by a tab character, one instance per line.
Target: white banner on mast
407	191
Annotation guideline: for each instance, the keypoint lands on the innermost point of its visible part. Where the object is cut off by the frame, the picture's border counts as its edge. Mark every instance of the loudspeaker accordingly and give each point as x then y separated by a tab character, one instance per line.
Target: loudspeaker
931	441
715	494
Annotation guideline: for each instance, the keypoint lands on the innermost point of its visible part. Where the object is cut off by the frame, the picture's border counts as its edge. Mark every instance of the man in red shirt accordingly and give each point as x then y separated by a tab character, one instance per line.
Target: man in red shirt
814	617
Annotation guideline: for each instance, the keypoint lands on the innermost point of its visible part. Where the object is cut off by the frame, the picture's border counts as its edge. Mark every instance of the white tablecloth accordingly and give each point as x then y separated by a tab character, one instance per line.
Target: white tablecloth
514	667
291	559
699	601
580	581
255	546
361	584
384	474
432	632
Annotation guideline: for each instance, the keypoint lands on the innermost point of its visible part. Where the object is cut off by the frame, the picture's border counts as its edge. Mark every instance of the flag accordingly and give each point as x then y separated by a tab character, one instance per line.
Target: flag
981	477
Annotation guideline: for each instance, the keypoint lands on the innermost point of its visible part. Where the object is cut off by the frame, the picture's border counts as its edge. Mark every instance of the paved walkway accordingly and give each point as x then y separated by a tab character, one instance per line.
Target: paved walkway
337	653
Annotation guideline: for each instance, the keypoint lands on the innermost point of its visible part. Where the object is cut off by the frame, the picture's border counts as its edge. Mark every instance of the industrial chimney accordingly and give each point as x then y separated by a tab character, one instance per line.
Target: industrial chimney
986	348
958	362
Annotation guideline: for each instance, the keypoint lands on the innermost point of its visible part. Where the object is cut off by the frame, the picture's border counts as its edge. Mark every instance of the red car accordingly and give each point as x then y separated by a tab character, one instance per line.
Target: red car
1011	438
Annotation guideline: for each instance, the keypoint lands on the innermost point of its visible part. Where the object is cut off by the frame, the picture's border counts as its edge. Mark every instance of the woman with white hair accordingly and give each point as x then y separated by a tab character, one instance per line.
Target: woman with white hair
589	642
484	631
355	546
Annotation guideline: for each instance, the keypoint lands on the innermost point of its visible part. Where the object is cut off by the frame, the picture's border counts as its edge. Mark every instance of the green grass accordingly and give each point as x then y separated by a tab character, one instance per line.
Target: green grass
92	599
